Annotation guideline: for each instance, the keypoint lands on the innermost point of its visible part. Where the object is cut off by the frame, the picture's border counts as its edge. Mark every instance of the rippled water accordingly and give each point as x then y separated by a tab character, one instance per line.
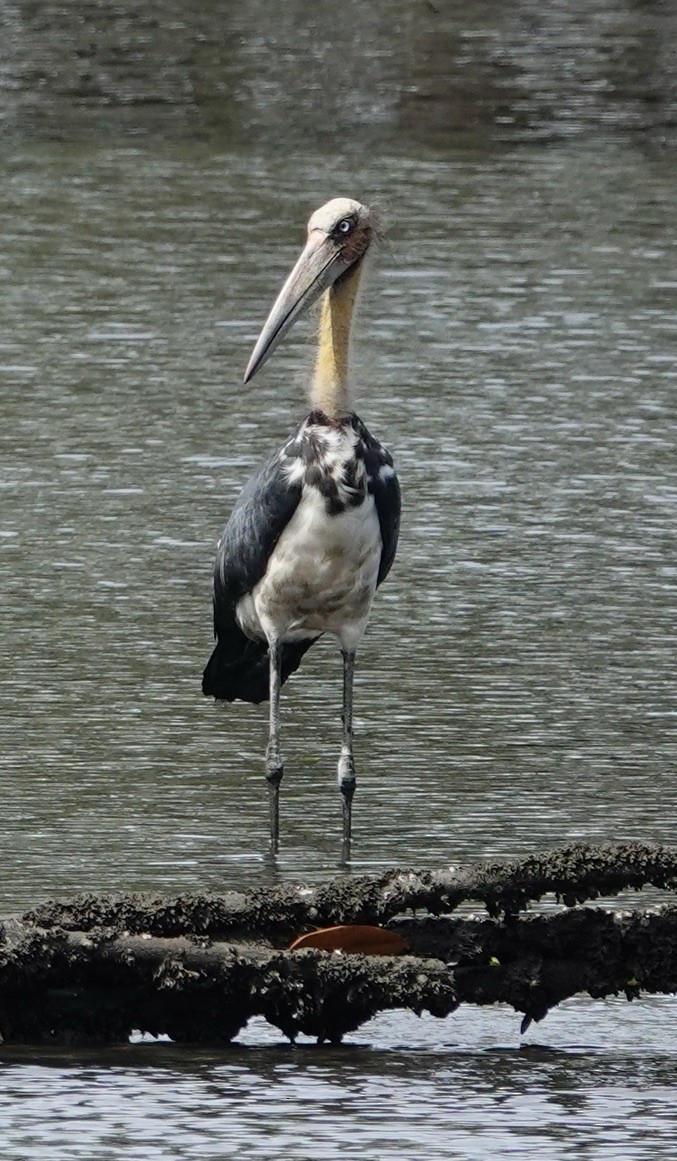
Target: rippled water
405	1087
515	350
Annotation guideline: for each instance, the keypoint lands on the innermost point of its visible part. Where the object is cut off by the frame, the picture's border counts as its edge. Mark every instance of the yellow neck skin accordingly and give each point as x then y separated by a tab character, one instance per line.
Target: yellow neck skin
330	392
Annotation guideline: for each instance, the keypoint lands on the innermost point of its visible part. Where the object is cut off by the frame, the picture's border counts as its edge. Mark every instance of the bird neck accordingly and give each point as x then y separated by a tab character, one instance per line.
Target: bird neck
330	390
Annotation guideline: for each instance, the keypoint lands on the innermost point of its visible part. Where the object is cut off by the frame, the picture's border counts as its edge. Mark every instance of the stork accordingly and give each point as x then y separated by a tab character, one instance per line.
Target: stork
314	532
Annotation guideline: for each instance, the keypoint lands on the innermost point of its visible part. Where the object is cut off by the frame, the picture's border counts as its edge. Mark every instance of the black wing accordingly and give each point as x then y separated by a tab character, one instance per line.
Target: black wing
385	488
239	666
262	511
389	506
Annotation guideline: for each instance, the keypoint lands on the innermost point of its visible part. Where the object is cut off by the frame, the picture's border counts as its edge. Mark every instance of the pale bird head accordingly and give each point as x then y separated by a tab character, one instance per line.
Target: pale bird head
339	235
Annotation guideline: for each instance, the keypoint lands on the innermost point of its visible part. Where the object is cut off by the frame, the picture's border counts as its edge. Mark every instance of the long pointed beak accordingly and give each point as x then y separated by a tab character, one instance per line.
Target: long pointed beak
318	266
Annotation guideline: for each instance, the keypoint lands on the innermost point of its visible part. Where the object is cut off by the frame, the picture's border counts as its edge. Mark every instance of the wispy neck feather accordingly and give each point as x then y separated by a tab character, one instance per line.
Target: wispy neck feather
330	391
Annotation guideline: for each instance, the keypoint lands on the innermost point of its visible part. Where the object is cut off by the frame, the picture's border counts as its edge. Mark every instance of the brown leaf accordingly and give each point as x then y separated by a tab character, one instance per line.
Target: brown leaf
354	937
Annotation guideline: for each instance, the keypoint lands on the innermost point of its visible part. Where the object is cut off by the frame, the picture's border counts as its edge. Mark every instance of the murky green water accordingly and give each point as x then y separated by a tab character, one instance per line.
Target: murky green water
515	350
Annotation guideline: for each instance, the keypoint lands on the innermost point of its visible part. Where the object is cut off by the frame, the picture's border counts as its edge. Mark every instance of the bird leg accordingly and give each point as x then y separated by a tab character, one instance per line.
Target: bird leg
274	767
346	765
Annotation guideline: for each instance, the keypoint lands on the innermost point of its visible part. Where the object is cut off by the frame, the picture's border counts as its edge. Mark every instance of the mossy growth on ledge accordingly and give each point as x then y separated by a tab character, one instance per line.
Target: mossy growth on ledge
198	967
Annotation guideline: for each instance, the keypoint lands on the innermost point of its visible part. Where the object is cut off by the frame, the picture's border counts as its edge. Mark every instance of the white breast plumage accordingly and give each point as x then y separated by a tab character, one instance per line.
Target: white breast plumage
321	576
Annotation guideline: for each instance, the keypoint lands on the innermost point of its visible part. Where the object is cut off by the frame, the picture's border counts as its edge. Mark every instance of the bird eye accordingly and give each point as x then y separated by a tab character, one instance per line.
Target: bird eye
345	226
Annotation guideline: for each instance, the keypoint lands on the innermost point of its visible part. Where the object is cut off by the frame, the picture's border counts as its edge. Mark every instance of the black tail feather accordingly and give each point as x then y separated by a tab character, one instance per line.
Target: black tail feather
240	669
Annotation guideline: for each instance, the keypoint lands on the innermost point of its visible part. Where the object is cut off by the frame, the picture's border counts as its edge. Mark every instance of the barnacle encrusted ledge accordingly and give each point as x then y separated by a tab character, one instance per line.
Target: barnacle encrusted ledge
198	967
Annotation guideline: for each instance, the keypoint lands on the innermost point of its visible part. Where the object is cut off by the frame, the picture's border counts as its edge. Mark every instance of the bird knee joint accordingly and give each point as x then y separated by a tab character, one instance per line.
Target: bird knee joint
346	776
274	772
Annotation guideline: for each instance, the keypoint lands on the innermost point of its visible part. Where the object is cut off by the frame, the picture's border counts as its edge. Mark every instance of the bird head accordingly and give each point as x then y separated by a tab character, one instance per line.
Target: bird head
339	235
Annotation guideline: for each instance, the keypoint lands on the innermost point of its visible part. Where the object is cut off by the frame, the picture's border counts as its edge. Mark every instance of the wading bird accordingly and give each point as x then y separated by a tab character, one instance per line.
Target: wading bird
314	533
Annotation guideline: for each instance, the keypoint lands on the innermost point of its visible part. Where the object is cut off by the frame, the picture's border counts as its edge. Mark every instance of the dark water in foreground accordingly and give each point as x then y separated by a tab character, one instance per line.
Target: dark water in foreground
515	350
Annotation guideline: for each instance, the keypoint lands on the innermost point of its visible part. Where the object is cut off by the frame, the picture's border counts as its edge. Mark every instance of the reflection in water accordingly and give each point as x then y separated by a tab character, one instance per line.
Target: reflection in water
516	685
539	71
402	71
445	1100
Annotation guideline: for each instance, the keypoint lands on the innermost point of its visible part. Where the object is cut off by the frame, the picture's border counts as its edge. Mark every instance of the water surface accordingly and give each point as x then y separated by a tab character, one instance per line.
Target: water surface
515	350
